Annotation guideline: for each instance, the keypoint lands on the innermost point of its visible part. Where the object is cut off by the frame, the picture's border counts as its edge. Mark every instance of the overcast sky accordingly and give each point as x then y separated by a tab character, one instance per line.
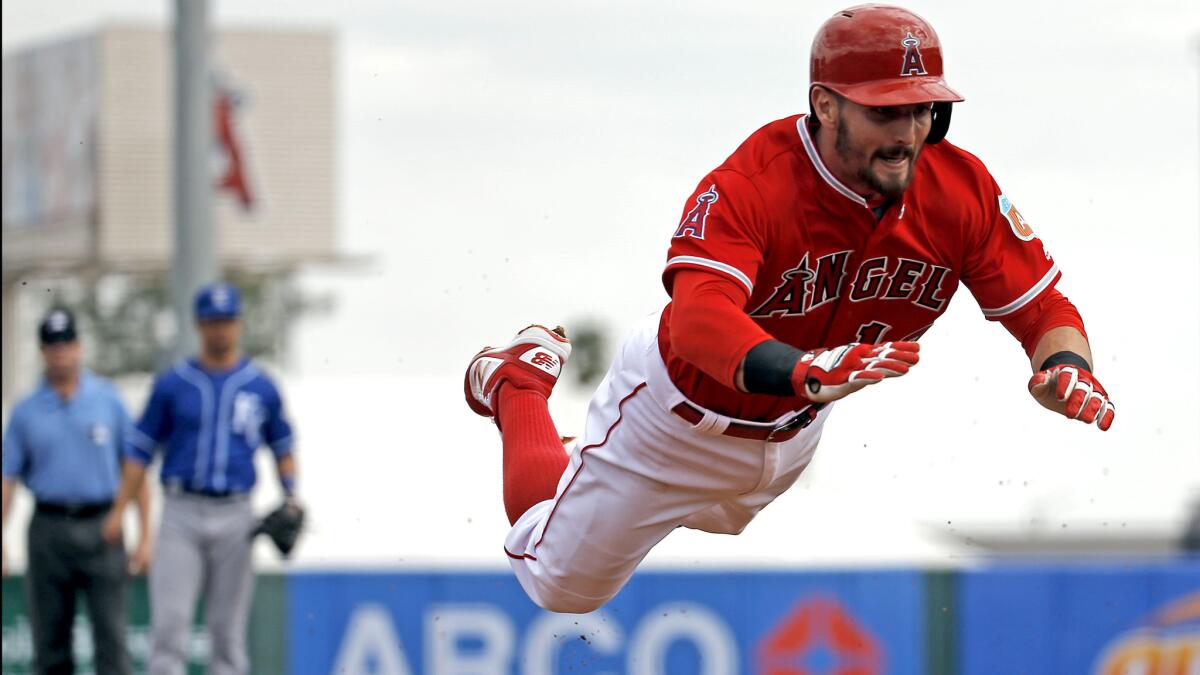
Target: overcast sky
519	162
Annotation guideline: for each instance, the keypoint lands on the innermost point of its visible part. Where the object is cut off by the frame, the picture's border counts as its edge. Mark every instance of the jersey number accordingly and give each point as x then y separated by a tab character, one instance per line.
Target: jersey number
872	332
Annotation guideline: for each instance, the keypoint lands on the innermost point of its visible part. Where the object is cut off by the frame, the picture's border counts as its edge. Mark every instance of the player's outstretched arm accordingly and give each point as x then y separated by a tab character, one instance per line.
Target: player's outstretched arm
1063	381
823	375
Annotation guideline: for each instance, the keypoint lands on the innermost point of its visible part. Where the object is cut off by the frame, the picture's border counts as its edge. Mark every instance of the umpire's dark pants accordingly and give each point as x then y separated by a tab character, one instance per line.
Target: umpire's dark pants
68	556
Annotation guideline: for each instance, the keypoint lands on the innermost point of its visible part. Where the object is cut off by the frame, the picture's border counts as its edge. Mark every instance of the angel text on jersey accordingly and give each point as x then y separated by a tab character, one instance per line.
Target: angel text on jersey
692	224
544	360
806	287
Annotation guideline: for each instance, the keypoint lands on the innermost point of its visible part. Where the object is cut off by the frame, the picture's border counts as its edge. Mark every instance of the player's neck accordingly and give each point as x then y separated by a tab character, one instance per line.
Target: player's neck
220	361
827	150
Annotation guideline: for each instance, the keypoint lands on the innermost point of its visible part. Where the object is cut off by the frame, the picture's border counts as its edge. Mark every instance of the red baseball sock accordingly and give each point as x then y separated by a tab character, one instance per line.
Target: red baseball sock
534	458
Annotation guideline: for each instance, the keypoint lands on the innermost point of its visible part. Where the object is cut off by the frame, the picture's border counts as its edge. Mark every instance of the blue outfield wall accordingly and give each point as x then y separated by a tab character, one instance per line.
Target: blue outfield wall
1085	618
677	623
1088	618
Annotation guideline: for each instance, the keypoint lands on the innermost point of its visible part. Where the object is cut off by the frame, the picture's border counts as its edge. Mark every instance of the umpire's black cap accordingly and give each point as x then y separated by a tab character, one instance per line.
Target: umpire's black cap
58	326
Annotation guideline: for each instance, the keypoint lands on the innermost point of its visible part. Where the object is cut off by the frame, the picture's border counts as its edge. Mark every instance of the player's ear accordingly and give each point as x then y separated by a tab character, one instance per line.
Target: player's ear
824	106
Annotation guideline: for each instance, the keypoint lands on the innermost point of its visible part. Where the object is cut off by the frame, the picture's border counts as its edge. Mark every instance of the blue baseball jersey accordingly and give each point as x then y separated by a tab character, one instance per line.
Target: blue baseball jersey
209	423
68	451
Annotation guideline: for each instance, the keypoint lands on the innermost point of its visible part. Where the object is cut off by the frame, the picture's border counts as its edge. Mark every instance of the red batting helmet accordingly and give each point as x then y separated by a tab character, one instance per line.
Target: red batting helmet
880	55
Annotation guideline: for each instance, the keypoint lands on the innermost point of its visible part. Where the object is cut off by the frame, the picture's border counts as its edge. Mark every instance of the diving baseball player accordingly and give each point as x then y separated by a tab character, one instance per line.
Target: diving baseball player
209	414
804	268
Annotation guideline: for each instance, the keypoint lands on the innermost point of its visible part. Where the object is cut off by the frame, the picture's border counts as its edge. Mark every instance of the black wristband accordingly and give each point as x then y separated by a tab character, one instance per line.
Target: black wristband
1066	359
768	368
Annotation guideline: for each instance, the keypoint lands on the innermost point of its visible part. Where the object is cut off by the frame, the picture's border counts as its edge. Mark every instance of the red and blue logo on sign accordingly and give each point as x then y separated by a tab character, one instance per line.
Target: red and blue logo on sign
820	637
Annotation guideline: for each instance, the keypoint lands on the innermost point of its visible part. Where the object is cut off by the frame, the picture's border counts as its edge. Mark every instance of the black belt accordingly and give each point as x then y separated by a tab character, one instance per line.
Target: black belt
175	488
784	431
73	510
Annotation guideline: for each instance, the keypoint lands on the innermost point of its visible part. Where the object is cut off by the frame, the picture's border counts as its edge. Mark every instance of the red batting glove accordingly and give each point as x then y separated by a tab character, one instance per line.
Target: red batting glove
827	375
1074	392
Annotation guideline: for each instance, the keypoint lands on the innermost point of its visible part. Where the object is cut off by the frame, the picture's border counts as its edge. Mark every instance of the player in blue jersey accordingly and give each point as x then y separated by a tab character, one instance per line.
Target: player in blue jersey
208	415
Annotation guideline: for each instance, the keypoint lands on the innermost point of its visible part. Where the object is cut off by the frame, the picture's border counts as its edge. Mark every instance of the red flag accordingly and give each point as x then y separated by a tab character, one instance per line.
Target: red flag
234	178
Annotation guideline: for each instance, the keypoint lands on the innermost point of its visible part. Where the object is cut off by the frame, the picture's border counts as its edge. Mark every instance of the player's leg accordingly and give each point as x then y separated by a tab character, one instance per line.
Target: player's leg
176	576
638	471
50	591
534	458
229	586
575	552
104	570
511	384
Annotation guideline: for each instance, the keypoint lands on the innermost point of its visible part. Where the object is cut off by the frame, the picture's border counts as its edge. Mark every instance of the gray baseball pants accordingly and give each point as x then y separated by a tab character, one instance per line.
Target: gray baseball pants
203	548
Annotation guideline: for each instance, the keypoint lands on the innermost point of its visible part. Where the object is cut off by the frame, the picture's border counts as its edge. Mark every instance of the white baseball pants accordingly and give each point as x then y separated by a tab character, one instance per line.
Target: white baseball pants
636	473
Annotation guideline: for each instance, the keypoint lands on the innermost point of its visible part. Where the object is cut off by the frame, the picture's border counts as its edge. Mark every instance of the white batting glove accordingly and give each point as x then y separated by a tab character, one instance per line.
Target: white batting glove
826	375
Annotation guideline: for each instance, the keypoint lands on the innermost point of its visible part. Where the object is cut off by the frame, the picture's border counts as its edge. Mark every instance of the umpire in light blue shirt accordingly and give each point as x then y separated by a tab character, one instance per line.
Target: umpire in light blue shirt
64	441
208	415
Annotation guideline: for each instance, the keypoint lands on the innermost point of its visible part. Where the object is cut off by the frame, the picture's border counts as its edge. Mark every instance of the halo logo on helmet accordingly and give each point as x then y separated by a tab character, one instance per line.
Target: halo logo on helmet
913	63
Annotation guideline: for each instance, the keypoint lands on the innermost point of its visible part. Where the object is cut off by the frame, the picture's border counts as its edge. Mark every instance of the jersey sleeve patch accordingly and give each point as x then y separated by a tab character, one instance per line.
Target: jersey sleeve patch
1019	225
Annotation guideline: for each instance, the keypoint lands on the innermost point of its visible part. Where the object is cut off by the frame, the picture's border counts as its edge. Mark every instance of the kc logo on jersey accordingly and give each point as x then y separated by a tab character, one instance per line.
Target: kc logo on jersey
692	224
1019	227
913	63
248	416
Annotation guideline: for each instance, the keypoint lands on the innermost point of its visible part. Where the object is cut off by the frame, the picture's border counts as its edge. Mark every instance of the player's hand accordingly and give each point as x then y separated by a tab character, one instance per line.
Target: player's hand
1074	392
112	528
827	375
139	562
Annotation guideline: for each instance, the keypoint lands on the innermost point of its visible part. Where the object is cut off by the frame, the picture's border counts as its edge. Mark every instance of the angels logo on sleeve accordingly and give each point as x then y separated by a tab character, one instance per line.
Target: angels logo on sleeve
692	224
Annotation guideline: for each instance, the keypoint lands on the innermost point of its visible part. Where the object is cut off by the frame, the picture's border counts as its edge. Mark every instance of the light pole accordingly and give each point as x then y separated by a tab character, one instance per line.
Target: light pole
194	254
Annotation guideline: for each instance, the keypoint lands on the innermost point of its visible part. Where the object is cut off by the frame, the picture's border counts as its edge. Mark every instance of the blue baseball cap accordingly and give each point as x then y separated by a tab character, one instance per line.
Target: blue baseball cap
218	300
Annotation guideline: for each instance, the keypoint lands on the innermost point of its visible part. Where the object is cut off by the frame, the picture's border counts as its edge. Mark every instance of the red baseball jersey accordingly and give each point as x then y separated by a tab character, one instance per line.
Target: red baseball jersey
822	271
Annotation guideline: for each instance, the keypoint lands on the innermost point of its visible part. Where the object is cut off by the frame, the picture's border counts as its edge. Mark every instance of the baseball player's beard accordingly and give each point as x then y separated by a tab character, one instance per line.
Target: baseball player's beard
892	188
888	188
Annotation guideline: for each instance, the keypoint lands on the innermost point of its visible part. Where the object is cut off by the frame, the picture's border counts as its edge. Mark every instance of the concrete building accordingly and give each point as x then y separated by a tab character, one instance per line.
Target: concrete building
87	162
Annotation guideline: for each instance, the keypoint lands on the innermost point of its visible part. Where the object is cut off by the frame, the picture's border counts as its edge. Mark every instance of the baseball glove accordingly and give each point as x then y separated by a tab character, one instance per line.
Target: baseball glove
283	526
